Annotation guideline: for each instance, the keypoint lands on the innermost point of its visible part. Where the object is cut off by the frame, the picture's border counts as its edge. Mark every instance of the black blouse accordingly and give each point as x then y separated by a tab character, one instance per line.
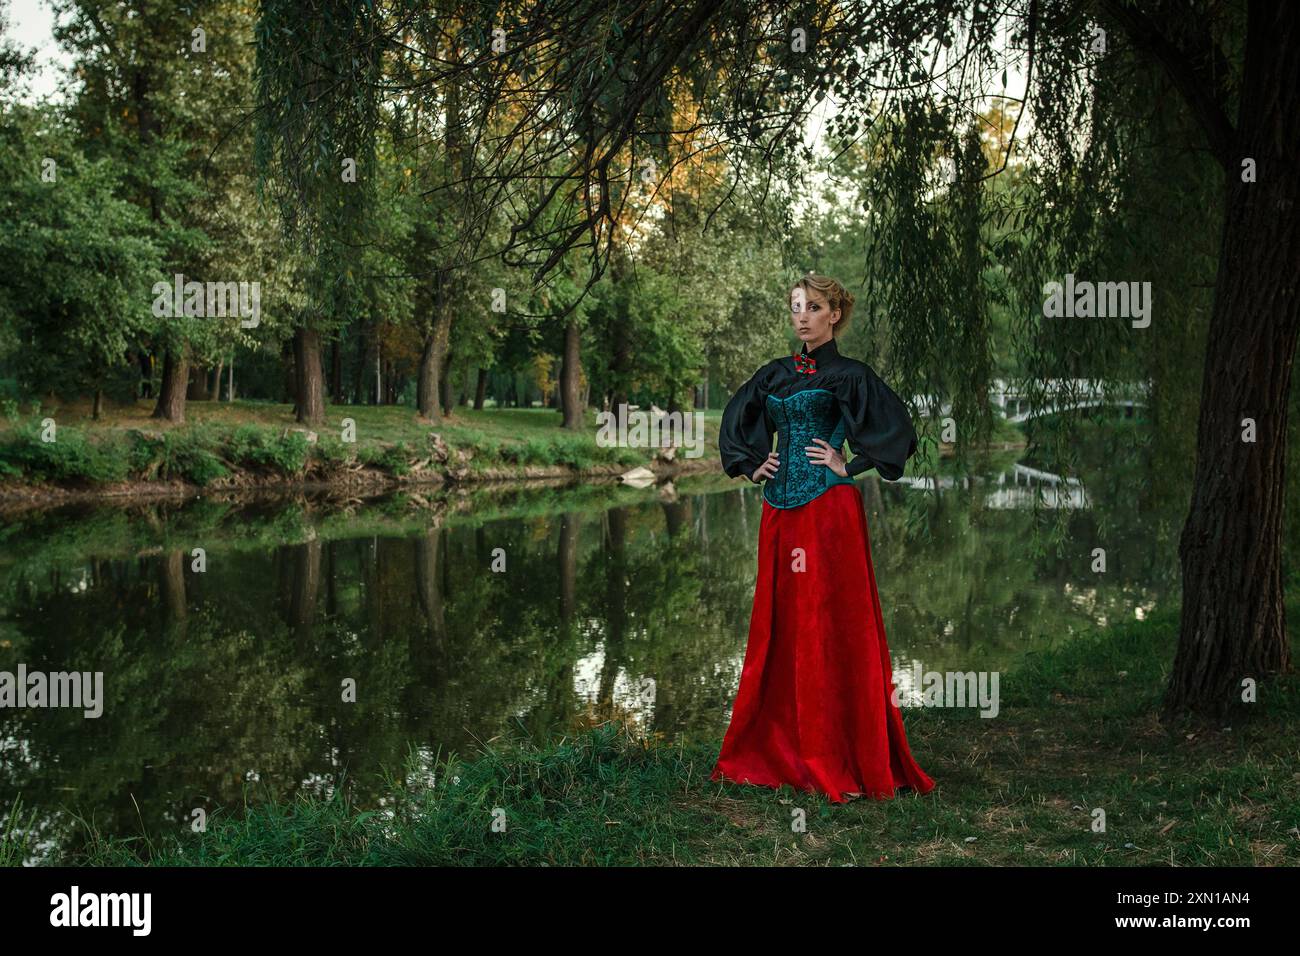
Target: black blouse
877	424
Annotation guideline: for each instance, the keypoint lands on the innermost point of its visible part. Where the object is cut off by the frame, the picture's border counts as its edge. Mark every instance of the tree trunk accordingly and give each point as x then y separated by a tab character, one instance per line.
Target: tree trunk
445	388
306	559
570	525
429	388
426	386
171	582
1233	624
196	390
308	377
480	389
175	378
289	373
214	387
99	404
171	397
336	372
359	369
620	365
571	377
617	588
146	374
621	369
428	585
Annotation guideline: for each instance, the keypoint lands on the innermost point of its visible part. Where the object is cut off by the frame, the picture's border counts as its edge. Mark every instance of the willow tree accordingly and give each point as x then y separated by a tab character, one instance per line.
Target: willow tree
912	76
433	136
320	164
1099	78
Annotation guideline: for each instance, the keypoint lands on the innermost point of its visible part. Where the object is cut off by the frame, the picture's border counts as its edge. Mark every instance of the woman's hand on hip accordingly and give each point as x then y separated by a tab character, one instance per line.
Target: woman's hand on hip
767	469
822	453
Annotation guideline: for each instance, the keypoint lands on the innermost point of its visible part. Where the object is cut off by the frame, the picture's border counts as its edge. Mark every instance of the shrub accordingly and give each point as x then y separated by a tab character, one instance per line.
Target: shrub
538	452
394	459
197	465
188	455
253	447
575	454
331	453
144	453
70	457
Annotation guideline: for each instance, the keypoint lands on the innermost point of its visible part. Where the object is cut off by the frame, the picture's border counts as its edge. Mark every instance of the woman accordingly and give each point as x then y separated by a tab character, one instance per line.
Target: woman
815	706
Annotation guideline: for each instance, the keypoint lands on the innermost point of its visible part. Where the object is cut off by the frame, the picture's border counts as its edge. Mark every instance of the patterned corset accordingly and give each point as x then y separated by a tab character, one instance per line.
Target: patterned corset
812	413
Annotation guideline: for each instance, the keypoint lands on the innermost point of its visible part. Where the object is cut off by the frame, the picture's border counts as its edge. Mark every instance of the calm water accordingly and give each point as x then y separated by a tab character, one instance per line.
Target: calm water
612	603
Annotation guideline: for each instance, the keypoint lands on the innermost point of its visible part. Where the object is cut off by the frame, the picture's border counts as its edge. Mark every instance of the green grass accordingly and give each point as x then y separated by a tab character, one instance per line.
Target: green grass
1077	733
16	834
235	443
262	441
225	443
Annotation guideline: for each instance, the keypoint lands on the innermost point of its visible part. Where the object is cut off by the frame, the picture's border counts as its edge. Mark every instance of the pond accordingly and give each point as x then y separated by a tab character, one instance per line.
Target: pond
261	647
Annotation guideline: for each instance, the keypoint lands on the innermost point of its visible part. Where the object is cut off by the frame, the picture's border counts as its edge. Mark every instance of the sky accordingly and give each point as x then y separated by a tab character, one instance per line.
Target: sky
30	26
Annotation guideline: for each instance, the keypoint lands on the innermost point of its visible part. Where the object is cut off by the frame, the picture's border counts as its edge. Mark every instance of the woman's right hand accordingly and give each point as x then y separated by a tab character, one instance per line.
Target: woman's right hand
767	469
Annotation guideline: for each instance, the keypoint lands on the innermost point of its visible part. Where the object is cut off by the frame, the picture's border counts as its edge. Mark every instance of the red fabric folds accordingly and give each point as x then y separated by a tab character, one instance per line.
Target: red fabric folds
815	706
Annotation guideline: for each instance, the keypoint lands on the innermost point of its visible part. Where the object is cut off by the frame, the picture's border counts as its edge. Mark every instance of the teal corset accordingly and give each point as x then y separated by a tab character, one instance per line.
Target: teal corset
811	413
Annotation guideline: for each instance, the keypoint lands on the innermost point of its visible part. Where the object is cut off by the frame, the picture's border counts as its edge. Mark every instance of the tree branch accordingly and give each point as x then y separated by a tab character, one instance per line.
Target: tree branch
1204	94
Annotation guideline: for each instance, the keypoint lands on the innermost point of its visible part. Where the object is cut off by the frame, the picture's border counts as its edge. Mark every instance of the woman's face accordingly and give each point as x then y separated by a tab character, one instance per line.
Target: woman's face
811	316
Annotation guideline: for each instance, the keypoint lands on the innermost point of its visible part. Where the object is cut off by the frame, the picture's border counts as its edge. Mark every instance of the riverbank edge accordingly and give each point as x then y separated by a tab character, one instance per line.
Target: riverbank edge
231	449
1023	789
18	495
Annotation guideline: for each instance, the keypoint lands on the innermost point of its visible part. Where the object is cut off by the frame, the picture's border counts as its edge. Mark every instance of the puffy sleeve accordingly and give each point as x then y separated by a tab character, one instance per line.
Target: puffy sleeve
877	425
745	438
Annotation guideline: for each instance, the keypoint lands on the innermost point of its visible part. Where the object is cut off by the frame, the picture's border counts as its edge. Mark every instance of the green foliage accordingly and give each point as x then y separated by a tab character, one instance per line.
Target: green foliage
207	452
17	833
331	452
79	259
188	455
564	793
258	449
72	458
394	459
197	465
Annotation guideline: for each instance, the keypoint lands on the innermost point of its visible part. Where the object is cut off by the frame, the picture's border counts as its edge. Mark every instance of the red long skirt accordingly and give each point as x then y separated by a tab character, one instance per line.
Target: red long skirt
815	705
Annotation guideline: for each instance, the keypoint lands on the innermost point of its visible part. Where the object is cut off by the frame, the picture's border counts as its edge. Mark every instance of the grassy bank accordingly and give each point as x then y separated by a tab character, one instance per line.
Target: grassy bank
236	445
253	443
1077	732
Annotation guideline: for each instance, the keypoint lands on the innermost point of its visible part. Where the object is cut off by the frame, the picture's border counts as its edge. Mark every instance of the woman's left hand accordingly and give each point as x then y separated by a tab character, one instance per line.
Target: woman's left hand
823	454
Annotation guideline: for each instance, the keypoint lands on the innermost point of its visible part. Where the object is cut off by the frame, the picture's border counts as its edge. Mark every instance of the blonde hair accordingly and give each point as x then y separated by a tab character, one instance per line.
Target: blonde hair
837	297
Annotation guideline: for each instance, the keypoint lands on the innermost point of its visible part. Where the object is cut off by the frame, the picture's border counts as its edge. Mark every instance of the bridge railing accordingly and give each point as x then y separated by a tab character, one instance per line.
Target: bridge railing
1076	392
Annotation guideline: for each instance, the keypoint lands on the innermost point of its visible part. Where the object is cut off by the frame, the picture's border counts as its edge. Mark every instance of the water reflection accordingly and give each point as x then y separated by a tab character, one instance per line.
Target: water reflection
629	604
1019	486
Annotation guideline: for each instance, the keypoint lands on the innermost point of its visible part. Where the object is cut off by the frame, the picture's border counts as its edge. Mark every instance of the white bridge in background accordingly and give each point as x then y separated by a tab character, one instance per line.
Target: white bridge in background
1015	403
1016	488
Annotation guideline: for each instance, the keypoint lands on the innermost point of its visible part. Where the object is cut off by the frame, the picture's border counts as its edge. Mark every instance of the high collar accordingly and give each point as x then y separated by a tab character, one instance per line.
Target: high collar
821	353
